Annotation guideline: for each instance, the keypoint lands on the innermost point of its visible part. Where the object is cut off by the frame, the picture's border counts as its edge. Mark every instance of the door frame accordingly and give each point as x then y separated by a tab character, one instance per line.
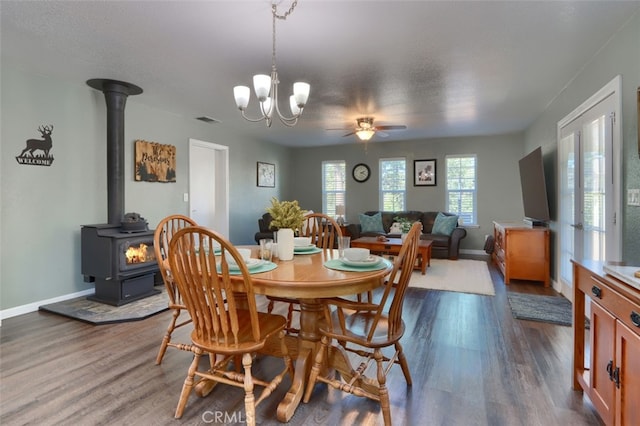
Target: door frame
612	88
222	178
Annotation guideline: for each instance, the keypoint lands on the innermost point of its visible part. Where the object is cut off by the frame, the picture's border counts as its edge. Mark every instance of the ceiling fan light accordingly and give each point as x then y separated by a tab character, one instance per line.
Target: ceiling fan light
301	93
295	109
242	94
365	134
262	86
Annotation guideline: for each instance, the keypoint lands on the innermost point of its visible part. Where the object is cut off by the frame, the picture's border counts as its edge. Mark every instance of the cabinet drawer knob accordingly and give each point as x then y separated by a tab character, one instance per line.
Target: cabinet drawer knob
597	292
635	318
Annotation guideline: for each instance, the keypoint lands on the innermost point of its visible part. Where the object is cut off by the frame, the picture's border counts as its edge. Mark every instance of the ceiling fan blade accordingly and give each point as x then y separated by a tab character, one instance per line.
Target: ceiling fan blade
396	127
349	134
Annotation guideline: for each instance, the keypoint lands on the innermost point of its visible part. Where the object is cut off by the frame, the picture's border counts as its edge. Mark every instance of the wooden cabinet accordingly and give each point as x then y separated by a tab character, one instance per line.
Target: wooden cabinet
521	252
607	369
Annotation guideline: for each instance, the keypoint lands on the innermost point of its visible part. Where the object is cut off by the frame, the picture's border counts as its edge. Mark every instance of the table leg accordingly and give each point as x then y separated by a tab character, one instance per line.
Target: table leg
308	344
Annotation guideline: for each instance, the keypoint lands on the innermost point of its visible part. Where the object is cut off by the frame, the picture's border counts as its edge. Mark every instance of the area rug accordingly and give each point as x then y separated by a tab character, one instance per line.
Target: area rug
533	307
462	275
97	313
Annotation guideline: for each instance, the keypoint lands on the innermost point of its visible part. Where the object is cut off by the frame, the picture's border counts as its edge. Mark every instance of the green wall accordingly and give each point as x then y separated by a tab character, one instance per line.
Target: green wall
499	194
621	56
42	208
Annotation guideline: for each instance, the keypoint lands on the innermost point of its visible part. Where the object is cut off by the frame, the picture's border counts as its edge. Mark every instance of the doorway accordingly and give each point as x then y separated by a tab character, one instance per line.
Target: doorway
589	157
209	185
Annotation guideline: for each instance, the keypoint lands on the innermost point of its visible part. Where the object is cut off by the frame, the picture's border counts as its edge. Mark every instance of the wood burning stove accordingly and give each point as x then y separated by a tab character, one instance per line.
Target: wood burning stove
118	256
121	264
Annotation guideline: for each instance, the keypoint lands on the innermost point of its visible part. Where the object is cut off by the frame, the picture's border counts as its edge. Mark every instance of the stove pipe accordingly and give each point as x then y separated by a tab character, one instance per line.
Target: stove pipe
115	94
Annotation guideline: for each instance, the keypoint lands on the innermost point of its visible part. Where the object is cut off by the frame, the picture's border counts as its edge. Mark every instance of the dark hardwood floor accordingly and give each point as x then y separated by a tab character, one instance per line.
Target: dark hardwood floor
472	364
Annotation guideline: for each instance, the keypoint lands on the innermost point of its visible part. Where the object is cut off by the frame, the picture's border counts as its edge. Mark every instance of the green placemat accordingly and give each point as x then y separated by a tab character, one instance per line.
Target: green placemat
266	267
312	251
338	265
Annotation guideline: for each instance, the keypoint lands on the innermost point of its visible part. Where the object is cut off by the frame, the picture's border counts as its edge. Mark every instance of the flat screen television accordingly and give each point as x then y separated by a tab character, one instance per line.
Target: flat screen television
534	189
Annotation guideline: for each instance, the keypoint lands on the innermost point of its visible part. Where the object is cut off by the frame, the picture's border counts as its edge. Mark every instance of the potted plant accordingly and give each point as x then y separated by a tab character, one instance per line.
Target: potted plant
287	216
405	225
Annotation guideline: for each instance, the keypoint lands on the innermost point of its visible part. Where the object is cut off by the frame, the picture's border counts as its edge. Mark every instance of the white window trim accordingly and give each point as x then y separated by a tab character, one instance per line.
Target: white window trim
475	224
380	191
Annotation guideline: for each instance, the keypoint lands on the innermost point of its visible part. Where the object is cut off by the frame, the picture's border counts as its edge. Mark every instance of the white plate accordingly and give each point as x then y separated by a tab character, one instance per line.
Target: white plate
304	248
369	261
251	263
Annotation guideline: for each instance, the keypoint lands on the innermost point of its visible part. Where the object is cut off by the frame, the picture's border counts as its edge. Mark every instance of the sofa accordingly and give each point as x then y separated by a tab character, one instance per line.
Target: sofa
443	246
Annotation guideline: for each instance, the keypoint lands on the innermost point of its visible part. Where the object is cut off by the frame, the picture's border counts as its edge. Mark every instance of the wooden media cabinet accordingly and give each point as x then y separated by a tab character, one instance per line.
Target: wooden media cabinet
521	252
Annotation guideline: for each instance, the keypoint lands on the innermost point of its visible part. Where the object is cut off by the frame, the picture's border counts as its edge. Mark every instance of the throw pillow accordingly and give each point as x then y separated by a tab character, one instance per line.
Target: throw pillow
372	223
444	225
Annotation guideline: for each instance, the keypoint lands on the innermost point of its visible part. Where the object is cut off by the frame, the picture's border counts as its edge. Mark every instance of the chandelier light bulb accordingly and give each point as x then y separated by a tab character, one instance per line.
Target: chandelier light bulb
267	107
301	93
295	109
242	94
262	86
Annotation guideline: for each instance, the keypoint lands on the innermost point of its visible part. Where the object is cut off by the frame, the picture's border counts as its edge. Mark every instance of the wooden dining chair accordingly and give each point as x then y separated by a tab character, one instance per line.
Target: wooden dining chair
163	234
226	322
365	329
324	232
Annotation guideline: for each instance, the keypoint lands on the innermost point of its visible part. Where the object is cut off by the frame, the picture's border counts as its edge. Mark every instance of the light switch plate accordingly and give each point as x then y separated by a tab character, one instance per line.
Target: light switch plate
185	197
633	197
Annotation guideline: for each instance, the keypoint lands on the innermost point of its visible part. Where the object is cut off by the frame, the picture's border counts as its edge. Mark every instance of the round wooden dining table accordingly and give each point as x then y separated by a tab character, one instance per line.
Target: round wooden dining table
307	279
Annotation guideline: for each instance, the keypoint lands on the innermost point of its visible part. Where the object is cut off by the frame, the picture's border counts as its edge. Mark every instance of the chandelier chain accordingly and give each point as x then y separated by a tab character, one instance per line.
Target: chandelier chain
287	13
274	11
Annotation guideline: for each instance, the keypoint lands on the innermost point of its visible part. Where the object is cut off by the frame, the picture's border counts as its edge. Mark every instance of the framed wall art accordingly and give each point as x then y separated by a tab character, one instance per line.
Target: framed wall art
424	172
155	162
266	175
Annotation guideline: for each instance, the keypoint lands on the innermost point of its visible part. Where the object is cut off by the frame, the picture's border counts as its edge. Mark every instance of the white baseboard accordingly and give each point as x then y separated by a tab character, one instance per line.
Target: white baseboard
32	307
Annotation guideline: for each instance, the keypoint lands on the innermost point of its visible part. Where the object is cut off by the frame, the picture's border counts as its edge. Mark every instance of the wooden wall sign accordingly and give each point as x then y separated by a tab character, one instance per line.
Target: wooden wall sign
36	152
155	162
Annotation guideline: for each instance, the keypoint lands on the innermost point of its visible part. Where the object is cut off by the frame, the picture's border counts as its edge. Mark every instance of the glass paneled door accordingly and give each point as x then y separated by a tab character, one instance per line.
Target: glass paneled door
587	170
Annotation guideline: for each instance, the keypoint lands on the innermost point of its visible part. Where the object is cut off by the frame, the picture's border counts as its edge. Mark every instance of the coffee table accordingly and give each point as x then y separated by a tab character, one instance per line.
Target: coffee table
393	245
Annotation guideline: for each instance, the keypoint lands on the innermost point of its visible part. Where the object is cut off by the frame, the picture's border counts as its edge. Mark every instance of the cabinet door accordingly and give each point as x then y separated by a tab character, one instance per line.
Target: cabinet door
602	362
628	359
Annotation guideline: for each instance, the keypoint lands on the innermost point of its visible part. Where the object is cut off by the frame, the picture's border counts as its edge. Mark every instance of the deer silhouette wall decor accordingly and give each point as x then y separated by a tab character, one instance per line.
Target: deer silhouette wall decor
45	144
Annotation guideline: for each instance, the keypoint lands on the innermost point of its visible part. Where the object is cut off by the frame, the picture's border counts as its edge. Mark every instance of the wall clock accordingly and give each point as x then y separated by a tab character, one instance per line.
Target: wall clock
361	172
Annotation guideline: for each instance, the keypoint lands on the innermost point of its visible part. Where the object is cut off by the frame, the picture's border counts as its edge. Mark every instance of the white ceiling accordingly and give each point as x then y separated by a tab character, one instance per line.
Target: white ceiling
443	68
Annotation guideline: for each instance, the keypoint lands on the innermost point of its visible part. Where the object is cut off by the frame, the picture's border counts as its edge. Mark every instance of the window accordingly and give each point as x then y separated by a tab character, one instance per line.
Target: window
393	184
462	187
333	186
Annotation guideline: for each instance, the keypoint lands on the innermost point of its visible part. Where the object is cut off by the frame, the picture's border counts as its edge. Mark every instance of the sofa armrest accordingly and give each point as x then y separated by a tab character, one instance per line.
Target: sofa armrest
454	242
354	230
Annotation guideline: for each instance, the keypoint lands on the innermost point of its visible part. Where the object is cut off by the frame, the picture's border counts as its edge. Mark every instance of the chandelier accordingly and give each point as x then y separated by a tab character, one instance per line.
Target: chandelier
266	88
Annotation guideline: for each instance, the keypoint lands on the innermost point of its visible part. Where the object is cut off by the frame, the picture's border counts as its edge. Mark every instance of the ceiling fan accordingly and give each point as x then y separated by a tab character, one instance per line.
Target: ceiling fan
365	129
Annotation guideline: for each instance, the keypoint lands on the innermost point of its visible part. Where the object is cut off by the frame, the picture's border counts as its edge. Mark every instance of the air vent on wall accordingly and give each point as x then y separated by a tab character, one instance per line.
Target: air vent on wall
207	119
